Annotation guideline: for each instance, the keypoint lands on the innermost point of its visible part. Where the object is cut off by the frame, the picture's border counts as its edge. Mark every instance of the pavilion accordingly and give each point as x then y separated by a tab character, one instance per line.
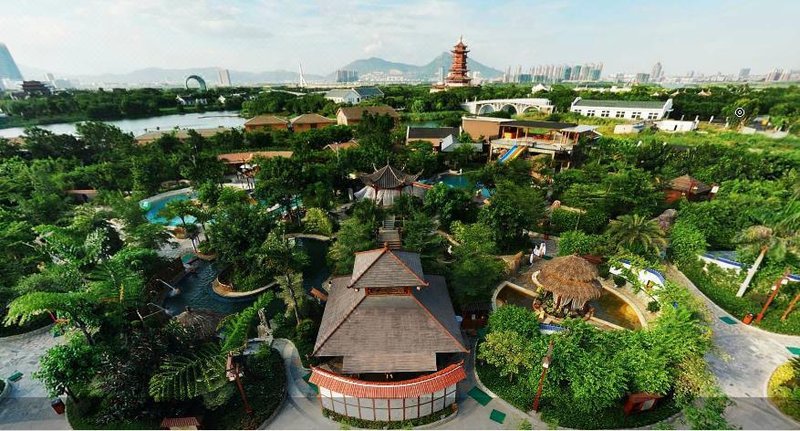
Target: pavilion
572	280
390	341
387	183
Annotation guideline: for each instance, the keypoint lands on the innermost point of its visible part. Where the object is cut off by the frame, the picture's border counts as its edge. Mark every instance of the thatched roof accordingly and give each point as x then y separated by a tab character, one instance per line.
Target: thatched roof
201	324
571	277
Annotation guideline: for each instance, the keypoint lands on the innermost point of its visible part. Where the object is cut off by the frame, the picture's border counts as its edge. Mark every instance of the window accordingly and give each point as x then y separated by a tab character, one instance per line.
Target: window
652	115
620	114
590	112
577	111
636	115
604	114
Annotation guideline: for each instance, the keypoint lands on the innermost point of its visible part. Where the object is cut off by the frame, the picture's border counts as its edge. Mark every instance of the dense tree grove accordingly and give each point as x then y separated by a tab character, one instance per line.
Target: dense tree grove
92	266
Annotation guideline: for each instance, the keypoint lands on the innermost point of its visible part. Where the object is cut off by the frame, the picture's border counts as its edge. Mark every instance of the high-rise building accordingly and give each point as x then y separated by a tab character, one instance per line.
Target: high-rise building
8	69
224	78
642	78
744	73
346	76
655	74
774	75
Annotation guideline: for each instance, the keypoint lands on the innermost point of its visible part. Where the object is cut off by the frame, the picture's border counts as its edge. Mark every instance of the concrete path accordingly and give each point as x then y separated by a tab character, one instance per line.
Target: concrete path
743	362
28	406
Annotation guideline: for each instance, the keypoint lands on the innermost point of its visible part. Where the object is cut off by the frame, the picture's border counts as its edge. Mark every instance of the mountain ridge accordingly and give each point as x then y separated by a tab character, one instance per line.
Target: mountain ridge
154	75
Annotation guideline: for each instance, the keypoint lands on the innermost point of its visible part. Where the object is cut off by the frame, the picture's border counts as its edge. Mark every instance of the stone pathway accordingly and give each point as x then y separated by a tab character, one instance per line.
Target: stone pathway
28	406
743	362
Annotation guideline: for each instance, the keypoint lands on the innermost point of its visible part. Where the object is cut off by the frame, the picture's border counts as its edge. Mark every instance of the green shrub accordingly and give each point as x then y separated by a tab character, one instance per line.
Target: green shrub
604	270
562	220
686	241
578	242
619	280
653	306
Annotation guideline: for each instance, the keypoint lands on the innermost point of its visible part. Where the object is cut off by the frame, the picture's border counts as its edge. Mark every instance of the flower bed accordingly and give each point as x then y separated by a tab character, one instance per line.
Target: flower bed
784	390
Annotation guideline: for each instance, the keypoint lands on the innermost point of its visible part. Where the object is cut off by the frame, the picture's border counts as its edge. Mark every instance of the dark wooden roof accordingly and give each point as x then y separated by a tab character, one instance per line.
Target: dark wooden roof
388	333
688	184
388	177
387	268
356	112
311	119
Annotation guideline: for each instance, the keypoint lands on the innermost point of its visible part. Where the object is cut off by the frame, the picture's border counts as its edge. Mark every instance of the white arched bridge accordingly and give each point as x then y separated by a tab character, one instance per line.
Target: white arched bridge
512	106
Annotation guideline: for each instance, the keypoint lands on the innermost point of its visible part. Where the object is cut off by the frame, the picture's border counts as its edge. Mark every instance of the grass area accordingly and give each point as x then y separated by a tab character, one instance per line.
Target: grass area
784	390
361	423
721	286
521	395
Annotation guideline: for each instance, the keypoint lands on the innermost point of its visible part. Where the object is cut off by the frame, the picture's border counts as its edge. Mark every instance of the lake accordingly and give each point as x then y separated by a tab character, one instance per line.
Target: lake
138	126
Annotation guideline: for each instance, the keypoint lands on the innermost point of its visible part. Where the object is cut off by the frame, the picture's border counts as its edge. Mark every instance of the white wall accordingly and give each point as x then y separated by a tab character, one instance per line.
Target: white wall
395	409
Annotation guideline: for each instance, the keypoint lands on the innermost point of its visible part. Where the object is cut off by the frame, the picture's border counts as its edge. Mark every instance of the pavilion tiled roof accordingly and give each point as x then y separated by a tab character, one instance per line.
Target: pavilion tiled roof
419	386
388	177
311	119
185	422
688	184
388	333
387	268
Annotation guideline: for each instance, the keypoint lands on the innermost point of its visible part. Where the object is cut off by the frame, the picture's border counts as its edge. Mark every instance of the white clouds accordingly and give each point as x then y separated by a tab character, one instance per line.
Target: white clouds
90	36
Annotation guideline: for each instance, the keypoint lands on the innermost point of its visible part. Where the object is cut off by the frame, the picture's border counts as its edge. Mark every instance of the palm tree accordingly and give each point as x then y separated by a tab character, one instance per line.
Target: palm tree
775	241
183	377
292	292
636	231
281	256
78	307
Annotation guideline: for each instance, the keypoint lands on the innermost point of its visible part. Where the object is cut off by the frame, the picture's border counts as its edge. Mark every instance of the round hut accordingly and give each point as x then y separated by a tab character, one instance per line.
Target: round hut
571	279
200	324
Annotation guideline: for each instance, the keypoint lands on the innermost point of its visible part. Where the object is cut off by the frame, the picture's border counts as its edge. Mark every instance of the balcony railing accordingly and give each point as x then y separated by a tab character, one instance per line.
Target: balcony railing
544	144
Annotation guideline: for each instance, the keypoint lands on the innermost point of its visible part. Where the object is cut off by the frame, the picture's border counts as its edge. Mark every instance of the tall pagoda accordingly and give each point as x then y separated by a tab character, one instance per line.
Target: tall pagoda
458	70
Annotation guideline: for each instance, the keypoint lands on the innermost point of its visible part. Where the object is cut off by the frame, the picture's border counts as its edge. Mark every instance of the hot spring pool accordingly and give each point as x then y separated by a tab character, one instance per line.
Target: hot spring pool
155	205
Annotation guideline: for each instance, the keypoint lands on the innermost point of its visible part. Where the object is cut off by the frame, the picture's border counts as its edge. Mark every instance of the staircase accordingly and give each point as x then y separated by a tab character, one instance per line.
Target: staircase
388	234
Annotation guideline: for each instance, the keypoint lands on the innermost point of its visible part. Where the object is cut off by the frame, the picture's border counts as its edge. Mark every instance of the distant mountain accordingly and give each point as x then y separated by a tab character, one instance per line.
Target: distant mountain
425	72
154	75
176	77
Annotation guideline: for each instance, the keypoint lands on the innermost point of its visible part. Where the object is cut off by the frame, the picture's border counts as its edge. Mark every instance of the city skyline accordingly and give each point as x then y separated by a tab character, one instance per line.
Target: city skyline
121	37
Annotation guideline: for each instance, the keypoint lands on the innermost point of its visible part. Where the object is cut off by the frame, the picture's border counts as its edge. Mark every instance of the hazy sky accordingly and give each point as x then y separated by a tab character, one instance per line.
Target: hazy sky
99	36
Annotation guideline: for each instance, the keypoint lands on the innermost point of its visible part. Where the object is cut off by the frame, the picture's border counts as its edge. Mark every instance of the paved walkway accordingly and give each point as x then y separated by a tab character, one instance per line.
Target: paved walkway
28	406
744	360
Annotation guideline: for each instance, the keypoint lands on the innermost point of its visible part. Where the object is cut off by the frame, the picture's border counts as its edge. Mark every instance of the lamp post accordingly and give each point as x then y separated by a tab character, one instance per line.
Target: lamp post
234	372
548	358
784	279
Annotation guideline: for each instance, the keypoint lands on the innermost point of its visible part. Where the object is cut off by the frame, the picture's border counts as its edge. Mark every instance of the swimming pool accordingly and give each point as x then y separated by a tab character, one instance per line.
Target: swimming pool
154	206
460	181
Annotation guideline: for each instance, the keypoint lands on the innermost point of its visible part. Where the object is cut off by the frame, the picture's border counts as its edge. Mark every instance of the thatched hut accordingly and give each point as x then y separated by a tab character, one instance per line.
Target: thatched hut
200	324
572	280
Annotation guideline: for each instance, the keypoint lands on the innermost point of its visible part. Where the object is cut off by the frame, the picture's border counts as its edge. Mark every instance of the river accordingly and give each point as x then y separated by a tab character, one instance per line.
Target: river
139	126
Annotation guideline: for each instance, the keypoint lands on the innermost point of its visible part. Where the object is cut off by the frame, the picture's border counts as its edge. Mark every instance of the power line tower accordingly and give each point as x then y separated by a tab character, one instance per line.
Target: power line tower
303	82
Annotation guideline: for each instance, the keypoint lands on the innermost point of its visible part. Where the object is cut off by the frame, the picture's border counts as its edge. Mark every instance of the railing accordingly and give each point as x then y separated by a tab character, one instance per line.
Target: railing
552	145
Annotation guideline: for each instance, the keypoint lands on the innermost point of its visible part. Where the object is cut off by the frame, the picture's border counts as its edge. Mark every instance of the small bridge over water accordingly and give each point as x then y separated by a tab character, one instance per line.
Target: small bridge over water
512	106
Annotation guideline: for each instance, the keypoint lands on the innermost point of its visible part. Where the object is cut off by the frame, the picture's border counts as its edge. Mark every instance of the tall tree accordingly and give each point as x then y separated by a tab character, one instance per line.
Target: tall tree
637	233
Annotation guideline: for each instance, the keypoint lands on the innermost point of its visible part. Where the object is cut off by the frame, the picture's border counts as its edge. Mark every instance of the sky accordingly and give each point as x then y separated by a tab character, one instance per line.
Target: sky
88	37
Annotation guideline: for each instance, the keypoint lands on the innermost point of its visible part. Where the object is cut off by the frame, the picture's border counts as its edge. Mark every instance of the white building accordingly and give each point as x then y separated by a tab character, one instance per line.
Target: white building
353	95
224	78
627	109
343	95
677	126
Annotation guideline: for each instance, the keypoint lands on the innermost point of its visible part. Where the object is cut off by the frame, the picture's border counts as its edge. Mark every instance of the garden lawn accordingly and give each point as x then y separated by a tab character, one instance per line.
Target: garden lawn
720	287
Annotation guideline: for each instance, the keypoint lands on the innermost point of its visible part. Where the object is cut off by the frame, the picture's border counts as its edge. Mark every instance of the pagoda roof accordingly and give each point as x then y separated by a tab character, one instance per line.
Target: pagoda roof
388	333
385	267
388	177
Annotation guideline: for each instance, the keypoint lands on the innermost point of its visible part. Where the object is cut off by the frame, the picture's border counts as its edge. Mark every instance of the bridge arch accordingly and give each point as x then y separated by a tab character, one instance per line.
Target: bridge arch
531	109
511	109
200	81
485	109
